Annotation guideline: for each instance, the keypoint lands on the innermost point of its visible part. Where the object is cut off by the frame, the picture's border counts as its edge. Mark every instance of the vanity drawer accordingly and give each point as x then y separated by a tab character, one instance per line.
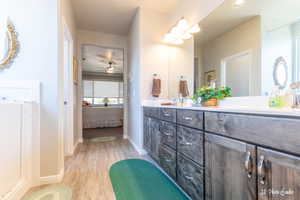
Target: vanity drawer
190	177
275	132
151	112
168	114
190	143
167	160
190	118
168	133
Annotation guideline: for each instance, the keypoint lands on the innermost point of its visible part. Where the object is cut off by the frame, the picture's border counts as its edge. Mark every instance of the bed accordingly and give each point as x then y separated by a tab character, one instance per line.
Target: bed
102	117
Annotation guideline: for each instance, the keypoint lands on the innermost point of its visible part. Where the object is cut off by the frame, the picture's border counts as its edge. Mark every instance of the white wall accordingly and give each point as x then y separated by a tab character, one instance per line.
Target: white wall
134	82
37	25
102	40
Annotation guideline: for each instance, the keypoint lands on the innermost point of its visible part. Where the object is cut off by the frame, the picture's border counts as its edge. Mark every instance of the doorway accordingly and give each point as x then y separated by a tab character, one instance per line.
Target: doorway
237	64
103	92
68	91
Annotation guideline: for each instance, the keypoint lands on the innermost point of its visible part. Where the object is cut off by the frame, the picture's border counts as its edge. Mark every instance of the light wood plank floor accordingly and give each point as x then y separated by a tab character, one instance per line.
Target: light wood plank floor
87	171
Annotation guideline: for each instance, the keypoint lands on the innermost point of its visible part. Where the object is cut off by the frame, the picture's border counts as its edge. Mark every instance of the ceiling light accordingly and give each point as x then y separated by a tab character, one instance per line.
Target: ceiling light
239	2
183	24
187	36
195	29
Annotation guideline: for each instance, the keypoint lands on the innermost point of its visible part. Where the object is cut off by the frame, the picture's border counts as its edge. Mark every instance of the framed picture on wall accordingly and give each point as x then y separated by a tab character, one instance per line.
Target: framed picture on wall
75	70
210	76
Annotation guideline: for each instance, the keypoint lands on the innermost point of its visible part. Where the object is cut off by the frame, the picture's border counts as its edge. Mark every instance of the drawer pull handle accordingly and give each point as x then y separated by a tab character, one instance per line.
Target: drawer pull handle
186	143
248	165
167	114
167	133
261	170
190	178
188	118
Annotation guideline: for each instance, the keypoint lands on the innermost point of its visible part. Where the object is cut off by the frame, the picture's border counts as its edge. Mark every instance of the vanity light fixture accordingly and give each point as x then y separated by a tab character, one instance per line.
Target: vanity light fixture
180	32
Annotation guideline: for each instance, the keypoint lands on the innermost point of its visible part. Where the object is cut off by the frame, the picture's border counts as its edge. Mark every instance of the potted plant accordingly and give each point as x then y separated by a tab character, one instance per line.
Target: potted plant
210	96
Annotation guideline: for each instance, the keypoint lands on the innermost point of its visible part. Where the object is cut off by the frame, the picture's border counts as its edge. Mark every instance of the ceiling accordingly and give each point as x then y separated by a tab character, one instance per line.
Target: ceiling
228	16
114	16
96	59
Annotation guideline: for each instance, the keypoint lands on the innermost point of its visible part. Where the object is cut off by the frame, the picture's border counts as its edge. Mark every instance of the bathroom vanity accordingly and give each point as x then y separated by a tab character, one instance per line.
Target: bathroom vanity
226	155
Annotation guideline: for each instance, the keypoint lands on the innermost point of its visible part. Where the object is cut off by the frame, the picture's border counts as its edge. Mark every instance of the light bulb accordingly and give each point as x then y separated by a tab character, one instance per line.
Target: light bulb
183	25
187	36
239	2
195	29
177	32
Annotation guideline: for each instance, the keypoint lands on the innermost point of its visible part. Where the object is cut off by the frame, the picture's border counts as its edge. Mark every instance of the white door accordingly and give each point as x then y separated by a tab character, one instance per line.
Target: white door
236	74
68	129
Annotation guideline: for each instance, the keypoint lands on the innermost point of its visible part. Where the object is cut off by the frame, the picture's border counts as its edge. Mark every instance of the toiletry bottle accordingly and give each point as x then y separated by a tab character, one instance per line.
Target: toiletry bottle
276	99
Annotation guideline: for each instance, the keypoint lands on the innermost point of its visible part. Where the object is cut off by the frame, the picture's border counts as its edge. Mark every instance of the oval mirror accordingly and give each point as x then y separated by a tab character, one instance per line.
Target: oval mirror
280	73
8	45
4	42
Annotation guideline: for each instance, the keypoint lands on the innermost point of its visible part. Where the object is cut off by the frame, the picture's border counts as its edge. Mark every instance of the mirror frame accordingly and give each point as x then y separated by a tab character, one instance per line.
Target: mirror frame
13	46
278	61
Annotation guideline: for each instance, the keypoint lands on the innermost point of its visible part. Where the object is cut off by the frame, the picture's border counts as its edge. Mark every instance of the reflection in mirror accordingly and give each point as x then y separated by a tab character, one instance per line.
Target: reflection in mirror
240	45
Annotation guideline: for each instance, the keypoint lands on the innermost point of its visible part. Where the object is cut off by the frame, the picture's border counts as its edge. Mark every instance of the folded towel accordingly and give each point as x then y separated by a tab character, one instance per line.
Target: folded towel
156	87
183	88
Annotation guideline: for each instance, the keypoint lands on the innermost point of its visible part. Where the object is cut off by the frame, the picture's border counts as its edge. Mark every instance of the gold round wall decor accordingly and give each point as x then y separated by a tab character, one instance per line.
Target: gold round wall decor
9	50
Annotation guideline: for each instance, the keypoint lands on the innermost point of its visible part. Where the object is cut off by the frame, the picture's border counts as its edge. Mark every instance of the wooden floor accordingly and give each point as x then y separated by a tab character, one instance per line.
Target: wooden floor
87	171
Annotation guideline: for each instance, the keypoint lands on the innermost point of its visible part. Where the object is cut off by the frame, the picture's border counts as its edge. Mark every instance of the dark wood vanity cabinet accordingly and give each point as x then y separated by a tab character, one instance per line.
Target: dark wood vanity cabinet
226	156
230	169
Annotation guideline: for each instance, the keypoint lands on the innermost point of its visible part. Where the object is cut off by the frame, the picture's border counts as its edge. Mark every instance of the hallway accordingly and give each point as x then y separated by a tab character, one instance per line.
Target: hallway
87	171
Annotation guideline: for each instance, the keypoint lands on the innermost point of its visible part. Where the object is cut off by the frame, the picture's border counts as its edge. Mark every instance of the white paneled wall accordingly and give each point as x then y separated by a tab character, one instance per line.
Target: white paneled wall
20	138
15	149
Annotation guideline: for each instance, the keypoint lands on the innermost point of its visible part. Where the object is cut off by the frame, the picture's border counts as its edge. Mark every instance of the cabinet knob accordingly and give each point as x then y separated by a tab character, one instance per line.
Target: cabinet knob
249	165
261	170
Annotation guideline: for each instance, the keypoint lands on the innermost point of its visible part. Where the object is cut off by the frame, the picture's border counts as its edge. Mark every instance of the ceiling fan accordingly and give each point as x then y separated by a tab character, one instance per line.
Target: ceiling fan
110	61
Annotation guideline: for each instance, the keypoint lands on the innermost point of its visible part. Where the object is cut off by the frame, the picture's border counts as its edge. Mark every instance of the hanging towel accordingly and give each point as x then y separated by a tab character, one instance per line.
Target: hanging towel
156	87
183	88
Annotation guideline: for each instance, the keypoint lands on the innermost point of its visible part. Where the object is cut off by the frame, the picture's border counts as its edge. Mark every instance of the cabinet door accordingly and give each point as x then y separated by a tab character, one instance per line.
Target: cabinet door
167	160
190	143
147	134
168	133
155	139
190	177
230	169
278	175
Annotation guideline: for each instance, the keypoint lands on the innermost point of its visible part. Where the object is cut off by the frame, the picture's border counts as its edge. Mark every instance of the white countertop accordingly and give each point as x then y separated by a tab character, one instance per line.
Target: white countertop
238	109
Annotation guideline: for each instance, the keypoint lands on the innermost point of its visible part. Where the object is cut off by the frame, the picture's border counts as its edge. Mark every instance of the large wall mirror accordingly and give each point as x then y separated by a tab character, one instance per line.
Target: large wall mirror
250	46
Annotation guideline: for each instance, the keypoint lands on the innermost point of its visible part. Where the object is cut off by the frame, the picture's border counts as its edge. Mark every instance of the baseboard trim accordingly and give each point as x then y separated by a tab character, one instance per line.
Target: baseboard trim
137	148
18	192
52	179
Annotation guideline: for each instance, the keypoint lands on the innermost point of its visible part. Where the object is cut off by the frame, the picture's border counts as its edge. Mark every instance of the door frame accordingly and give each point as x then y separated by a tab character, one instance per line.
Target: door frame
224	63
125	86
68	137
